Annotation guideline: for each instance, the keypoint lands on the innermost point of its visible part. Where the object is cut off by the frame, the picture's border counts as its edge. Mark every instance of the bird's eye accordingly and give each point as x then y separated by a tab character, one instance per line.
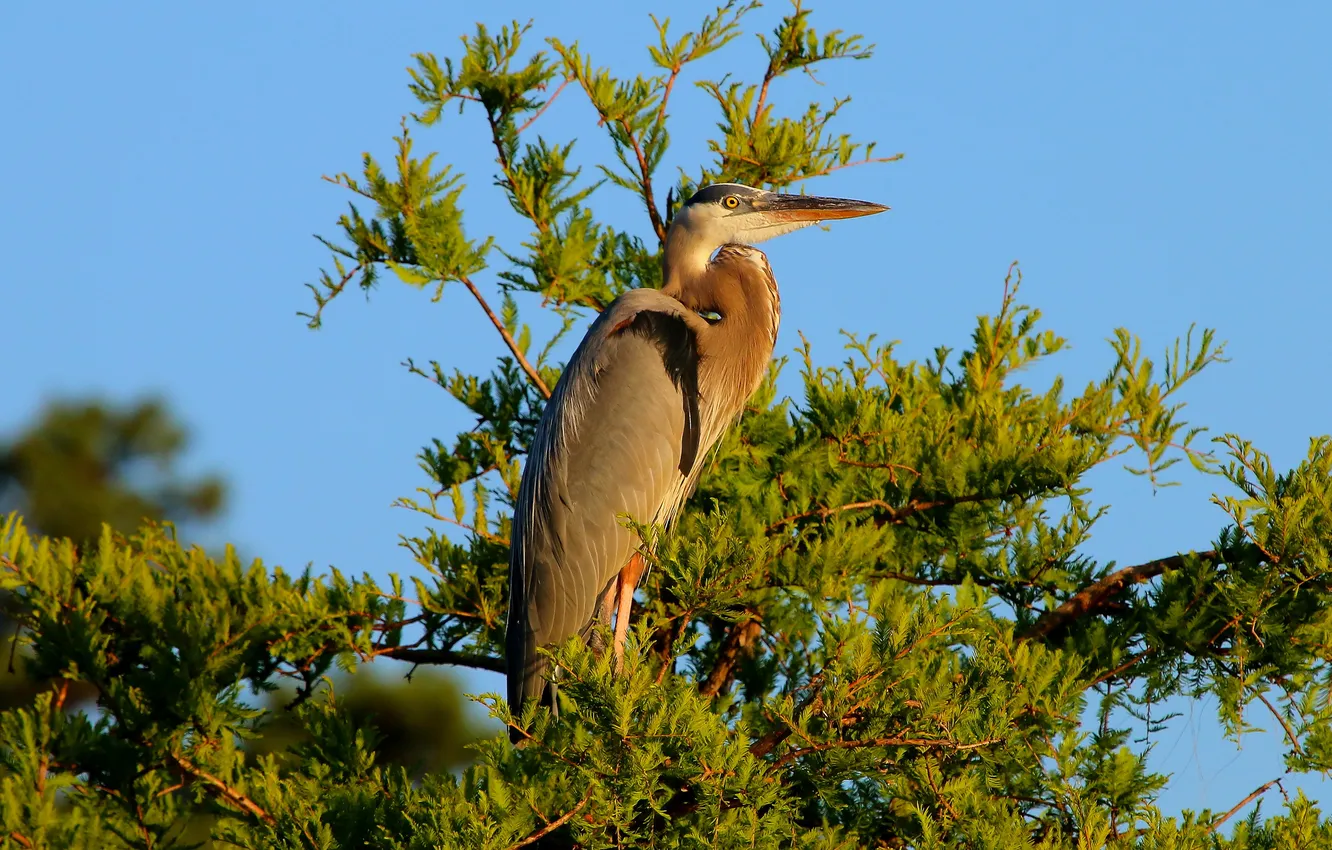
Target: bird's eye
730	202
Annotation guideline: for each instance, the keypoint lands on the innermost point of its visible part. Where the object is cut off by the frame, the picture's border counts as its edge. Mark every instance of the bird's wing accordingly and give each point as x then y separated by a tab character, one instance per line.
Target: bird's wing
620	435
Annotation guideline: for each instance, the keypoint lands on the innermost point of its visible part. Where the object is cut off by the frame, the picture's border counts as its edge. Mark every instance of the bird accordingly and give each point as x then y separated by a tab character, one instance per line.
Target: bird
658	378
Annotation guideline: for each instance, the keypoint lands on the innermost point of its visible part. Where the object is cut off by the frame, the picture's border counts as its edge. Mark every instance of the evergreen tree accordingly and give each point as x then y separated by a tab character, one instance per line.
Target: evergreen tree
876	623
82	464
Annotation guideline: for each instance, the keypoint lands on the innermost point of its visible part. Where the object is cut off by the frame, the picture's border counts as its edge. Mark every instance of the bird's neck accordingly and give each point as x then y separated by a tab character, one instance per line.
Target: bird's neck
737	294
755	304
738	286
686	260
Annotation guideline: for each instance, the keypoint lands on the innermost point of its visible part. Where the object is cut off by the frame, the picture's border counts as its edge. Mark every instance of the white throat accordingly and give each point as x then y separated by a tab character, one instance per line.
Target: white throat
699	231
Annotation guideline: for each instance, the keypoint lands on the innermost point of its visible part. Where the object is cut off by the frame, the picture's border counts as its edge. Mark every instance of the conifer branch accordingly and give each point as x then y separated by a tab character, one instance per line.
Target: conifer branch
530	121
645	182
332	290
1095	598
1255	794
738	638
869	160
234	796
444	656
1132	661
894	741
666	91
532	374
768	742
1290	733
891	515
765	745
555	824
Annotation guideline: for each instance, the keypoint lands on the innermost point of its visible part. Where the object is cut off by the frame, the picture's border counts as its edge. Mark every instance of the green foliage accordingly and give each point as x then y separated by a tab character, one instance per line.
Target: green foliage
82	464
418	721
876	624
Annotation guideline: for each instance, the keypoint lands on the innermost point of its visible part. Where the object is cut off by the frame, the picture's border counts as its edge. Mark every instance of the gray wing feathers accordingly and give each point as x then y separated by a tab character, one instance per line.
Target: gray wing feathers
620	435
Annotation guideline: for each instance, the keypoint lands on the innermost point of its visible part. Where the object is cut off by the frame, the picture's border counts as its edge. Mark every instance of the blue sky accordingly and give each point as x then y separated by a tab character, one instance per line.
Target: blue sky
1150	166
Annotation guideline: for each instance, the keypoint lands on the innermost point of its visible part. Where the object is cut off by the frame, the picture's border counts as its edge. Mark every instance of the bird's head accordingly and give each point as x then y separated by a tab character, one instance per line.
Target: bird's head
727	213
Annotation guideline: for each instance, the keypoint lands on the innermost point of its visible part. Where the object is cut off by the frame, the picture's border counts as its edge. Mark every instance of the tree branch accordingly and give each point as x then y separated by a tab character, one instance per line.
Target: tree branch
508	338
824	513
645	183
333	291
444	656
765	745
932	743
555	824
544	107
890	514
897	157
953	581
1257	792
232	795
1290	733
768	77
1096	597
666	92
738	639
768	742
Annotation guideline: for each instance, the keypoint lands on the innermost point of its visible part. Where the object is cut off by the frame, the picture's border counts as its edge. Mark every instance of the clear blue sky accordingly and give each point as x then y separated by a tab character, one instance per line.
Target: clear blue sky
1151	166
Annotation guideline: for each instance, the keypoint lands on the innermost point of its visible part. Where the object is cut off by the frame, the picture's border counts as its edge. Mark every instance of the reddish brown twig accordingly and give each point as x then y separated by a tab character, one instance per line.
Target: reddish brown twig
555	824
768	76
645	183
666	91
824	513
738	639
890	514
1131	661
932	743
508	338
1290	733
1096	597
544	106
334	290
873	160
1257	792
231	795
768	742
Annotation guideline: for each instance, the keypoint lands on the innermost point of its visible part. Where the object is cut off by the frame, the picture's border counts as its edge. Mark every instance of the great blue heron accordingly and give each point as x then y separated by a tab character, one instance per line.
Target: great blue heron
659	377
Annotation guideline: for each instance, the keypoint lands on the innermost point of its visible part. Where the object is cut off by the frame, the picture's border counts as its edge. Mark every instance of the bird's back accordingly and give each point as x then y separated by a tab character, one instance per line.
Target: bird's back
620	435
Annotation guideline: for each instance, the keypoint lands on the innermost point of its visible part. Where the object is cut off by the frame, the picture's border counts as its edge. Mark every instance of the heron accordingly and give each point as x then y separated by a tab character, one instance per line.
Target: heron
657	380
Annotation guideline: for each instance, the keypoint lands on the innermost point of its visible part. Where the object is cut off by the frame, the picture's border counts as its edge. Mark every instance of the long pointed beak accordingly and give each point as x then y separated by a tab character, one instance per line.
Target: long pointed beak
814	208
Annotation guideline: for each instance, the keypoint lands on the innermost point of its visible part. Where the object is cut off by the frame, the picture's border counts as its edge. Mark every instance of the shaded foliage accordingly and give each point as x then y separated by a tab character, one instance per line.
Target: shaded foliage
84	464
417	721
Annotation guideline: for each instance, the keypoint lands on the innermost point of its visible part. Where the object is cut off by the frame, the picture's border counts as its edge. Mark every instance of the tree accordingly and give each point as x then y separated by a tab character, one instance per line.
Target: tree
875	625
86	463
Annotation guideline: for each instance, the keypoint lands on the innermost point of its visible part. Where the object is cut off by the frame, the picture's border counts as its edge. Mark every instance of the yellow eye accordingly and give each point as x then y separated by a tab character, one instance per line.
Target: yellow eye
730	202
